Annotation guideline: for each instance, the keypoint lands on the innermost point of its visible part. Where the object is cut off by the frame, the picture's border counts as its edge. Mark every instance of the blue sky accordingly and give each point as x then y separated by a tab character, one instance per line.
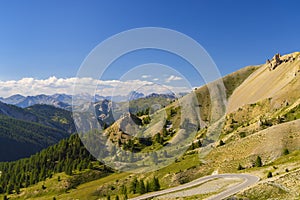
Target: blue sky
40	39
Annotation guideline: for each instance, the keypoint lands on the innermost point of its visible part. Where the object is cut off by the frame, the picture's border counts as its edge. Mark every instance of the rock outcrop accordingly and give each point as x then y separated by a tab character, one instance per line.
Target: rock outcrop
272	64
278	59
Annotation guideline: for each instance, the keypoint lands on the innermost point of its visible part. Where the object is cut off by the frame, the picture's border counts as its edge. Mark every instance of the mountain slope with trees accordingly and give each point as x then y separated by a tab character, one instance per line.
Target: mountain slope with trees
260	137
68	156
24	132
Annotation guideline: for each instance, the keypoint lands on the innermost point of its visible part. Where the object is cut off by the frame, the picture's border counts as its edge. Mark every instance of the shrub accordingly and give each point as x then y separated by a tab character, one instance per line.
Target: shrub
286	170
286	151
221	143
240	167
258	162
269	175
242	134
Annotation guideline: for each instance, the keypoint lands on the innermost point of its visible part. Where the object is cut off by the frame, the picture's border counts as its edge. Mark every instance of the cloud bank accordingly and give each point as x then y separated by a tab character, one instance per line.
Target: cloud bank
53	85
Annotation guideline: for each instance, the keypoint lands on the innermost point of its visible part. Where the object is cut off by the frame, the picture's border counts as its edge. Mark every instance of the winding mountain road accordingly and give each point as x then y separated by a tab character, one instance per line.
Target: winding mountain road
248	181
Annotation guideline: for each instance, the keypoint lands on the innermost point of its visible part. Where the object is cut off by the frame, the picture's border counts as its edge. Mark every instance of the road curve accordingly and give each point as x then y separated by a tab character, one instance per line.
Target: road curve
248	181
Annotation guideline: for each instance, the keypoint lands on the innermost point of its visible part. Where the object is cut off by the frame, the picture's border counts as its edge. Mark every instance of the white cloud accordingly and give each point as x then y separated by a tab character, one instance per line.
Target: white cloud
173	78
52	85
155	79
146	76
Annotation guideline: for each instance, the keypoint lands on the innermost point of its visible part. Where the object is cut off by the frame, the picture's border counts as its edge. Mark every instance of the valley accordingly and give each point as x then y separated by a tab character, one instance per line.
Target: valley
259	138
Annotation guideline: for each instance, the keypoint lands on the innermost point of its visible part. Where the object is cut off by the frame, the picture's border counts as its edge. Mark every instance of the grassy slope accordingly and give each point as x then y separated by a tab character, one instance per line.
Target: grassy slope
284	184
173	174
189	166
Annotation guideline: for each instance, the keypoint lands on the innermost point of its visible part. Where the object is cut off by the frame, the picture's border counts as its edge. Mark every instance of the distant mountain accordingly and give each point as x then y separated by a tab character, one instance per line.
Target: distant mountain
64	98
108	111
135	95
14	99
64	101
17	113
41	99
24	102
43	114
167	96
53	117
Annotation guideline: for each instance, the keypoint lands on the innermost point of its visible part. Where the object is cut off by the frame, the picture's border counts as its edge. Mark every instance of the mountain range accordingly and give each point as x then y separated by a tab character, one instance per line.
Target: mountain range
64	101
36	122
259	135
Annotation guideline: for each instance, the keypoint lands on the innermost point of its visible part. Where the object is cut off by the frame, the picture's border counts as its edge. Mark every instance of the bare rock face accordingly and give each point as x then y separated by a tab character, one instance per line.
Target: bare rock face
277	58
270	65
276	61
289	59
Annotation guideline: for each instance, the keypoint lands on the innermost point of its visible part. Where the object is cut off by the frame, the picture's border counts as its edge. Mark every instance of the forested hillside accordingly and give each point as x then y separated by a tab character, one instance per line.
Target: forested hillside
21	139
68	156
24	132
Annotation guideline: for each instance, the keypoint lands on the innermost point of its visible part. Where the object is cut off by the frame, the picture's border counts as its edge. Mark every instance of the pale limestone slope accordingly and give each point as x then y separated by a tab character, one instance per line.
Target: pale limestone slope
263	84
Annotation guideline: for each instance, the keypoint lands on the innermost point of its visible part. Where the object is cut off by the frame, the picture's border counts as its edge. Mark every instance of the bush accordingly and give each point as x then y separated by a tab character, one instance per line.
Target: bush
258	162
286	151
242	134
269	175
221	143
286	170
240	167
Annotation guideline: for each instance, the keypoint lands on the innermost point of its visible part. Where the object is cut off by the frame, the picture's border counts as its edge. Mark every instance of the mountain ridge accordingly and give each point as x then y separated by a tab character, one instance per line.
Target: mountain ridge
27	131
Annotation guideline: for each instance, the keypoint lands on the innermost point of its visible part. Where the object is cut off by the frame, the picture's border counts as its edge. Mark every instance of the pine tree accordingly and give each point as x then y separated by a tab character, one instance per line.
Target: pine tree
147	187
133	185
286	151
90	166
9	188
158	139
17	188
123	189
199	144
222	143
258	162
156	184
142	189
240	167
